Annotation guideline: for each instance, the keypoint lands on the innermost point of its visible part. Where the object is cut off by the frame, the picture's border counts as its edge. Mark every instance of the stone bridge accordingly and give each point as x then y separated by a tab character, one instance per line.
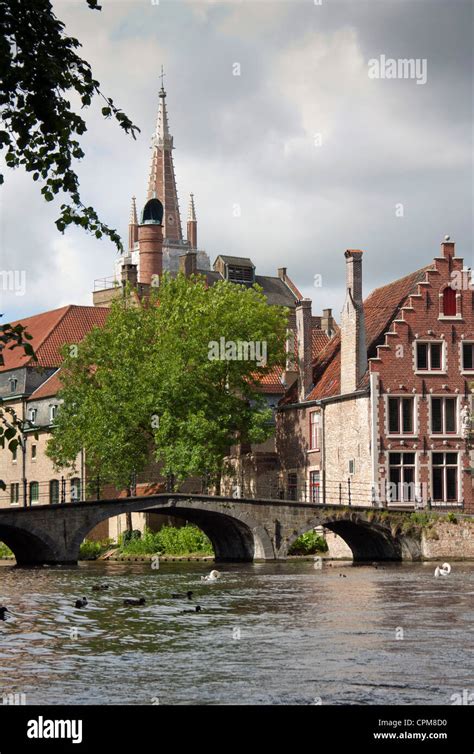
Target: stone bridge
239	529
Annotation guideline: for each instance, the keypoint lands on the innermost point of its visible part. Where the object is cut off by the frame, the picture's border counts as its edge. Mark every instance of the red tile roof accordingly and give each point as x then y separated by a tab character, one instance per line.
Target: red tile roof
380	309
50	387
51	331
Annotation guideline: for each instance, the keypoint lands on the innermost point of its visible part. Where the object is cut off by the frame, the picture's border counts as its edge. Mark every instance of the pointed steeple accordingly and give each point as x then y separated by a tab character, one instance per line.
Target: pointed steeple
133	225
192	223
162	181
191	209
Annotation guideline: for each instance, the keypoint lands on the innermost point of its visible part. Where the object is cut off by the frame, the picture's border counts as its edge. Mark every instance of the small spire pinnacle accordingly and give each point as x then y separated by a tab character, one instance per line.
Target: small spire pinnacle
133	212
191	209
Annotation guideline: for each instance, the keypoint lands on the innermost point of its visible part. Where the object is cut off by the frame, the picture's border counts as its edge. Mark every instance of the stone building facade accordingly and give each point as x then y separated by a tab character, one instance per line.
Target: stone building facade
391	395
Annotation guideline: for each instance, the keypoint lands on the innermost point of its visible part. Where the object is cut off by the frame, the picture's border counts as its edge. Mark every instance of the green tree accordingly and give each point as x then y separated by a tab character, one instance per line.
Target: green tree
11	427
39	72
145	385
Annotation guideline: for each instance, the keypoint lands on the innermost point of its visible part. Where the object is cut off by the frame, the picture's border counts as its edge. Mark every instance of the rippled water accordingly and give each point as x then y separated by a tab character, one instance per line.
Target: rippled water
304	634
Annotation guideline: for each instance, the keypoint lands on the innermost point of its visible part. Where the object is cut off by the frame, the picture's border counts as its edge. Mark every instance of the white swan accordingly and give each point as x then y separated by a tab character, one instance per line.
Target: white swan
213	576
445	570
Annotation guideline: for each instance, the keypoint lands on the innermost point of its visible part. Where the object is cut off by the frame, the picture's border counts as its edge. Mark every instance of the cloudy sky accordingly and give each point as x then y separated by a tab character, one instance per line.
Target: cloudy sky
319	156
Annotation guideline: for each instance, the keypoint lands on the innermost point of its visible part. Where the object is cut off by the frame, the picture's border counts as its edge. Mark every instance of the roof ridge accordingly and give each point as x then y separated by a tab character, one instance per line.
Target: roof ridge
398	280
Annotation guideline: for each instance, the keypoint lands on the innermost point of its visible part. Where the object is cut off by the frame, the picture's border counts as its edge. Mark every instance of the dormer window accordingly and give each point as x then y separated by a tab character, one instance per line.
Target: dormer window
240	274
53	410
13	384
32	414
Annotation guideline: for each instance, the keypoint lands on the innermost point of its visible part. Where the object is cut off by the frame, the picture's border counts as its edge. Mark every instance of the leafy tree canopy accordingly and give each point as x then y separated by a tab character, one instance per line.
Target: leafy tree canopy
39	71
145	383
11	427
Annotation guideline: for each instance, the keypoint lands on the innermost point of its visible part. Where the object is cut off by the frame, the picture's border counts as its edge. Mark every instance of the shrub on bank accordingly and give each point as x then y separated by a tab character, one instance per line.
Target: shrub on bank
5	551
169	540
92	550
308	544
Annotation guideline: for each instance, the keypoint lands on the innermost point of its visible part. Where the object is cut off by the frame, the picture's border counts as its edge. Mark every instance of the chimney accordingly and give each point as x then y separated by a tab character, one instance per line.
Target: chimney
353	345
303	334
282	273
188	263
448	248
129	274
150	244
327	322
192	223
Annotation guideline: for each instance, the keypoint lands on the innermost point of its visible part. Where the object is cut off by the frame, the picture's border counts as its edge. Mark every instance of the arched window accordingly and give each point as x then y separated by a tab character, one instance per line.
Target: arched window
54	492
75	489
449	302
34	492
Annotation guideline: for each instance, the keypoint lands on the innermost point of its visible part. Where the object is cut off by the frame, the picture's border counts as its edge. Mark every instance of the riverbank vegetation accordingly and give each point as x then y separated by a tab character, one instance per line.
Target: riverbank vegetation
308	544
169	540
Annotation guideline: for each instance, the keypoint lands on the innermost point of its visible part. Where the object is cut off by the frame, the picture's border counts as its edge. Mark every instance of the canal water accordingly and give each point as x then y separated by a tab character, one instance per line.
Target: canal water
270	633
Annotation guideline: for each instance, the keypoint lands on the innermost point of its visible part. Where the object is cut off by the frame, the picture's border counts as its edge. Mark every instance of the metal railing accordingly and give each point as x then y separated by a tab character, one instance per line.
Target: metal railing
347	492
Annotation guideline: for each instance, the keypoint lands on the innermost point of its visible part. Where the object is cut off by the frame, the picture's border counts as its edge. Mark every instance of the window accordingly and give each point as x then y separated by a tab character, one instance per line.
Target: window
34	492
33	452
351	466
400	416
314	430
14	453
468	356
443	416
449	302
429	356
14	493
240	274
75	489
53	410
314	486
401	477
292	486
444	467
13	384
54	492
32	414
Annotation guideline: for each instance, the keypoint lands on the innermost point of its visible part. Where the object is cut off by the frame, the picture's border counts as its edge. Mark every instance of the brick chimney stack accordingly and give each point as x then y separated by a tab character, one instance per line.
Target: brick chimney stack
353	345
303	334
192	223
129	274
150	243
327	322
188	263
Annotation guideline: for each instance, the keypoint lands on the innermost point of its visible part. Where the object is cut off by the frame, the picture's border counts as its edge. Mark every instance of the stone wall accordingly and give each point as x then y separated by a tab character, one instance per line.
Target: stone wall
347	438
448	540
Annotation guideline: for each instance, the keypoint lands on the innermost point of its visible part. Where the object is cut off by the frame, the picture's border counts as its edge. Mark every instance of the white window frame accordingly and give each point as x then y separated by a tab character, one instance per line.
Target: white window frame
317	428
404	435
441	503
413	466
461	356
429	371
32	414
443	435
53	411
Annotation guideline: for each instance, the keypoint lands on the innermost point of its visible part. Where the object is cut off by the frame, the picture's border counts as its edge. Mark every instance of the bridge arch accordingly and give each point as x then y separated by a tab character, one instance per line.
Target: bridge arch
29	548
368	539
234	536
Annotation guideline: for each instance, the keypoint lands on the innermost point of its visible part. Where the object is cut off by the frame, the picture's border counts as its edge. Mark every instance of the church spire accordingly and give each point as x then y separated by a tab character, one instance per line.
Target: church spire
162	181
192	223
133	225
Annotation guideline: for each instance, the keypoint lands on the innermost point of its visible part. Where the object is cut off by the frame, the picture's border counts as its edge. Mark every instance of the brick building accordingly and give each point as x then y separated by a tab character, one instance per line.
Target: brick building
388	413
